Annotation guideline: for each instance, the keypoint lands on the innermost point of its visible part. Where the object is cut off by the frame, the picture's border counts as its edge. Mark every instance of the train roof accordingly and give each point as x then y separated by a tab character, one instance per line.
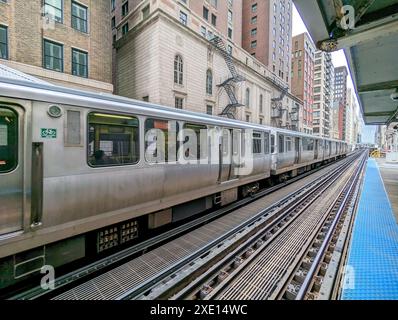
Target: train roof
40	91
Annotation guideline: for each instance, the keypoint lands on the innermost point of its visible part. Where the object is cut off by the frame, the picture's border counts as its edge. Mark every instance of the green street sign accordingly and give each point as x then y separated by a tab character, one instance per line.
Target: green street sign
48	133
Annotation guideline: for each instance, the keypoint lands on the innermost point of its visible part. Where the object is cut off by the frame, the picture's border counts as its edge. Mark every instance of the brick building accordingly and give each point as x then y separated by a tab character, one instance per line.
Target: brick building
267	34
61	41
303	57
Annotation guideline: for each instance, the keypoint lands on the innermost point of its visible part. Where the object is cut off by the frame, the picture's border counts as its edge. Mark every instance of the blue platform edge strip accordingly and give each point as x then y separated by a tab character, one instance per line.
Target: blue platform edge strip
372	267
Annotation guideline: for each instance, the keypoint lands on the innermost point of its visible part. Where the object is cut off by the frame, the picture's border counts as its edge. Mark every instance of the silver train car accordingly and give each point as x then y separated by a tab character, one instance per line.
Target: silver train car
76	179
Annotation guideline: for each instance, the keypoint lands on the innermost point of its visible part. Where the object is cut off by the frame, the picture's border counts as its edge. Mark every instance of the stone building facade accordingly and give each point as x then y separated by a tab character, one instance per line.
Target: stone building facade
165	53
61	41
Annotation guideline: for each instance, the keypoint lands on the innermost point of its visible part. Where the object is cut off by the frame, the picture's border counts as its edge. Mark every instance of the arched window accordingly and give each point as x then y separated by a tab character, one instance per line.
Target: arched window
247	97
261	103
178	70
209	82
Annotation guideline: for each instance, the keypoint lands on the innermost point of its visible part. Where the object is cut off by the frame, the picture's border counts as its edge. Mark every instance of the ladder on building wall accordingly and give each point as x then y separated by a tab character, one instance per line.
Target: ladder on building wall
229	84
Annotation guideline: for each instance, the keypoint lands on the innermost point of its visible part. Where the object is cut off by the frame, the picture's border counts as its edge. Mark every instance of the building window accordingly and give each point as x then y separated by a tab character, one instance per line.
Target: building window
125	28
230	16
254	32
178	70
209	110
53	8
213	20
113	5
203	31
79	63
3	42
53	56
229	50
205	13
254	8
145	12
209	82
261	103
113	22
179	103
125	8
247	100
230	33
183	18
254	44
79	17
254	20
113	140
247	118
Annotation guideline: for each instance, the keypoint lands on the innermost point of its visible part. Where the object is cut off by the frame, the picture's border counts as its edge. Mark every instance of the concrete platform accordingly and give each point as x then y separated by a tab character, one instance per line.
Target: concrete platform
372	265
389	173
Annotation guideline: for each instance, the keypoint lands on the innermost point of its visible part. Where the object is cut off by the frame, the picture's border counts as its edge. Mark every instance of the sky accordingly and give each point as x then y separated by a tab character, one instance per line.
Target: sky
339	60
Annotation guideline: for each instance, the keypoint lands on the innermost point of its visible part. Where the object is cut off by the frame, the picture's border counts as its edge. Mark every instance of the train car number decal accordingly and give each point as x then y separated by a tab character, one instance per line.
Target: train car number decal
48	133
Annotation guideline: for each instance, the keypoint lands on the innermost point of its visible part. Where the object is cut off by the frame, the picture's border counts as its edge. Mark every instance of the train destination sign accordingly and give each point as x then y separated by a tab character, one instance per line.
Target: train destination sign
48	133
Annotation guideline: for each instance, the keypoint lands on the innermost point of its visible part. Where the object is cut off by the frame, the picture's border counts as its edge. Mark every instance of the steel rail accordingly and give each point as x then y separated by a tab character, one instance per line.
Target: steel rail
140	290
322	250
215	270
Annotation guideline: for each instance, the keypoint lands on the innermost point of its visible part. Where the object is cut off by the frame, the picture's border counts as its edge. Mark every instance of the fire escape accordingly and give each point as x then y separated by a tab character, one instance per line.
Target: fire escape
229	84
277	107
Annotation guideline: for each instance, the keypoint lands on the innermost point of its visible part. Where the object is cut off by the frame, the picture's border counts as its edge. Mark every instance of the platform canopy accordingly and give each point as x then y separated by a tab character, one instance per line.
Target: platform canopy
370	42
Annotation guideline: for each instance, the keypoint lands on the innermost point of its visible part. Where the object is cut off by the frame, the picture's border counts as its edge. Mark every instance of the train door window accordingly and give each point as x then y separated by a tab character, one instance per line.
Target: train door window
160	140
8	140
266	143
311	145
288	144
113	139
281	144
272	143
257	142
201	146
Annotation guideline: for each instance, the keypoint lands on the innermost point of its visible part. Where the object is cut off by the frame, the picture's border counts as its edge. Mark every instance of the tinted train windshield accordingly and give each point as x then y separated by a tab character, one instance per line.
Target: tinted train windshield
8	140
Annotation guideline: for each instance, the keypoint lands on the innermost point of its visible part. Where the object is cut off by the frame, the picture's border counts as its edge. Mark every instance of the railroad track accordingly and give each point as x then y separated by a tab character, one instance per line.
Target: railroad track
287	259
74	279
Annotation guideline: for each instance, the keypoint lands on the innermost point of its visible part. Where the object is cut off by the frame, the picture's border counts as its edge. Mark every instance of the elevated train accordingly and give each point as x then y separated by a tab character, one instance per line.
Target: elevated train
75	180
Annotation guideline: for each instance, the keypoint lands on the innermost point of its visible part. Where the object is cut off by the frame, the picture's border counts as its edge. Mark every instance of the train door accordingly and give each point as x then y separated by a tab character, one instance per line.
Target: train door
11	169
230	150
316	149
297	149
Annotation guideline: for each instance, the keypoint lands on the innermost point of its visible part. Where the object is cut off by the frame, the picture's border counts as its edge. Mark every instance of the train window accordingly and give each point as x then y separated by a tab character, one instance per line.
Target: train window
8	140
288	144
311	145
272	143
192	154
281	144
113	139
257	142
160	140
266	143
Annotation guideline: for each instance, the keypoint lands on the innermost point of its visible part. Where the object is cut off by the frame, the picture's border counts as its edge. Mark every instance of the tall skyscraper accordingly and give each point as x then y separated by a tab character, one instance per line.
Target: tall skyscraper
340	95
267	34
303	58
323	93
